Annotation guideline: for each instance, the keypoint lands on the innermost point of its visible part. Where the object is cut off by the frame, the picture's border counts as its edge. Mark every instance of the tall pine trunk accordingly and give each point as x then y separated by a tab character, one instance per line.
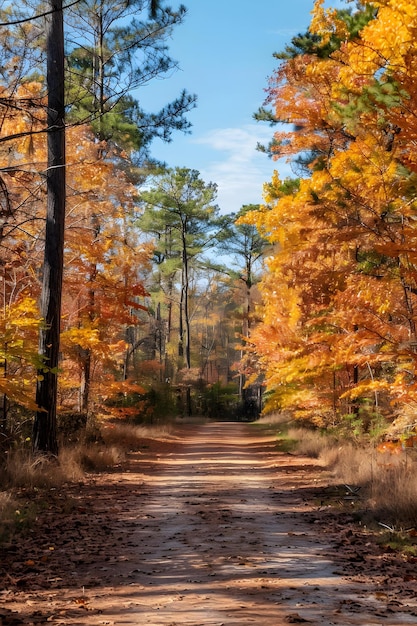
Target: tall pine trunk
44	428
186	331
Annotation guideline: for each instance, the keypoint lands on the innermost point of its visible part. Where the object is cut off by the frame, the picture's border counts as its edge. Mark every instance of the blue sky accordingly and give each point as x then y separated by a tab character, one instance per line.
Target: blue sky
224	50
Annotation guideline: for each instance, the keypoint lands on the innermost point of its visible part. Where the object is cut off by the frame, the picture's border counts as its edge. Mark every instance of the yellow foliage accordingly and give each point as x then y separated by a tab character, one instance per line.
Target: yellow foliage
324	22
385	43
85	338
19	325
340	291
116	387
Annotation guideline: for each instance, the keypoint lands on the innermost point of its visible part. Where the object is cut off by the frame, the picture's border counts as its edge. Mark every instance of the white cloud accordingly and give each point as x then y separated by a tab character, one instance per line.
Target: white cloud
239	169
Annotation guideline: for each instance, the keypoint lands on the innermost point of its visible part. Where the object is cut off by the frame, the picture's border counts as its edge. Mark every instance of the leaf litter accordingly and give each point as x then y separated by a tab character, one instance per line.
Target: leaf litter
220	528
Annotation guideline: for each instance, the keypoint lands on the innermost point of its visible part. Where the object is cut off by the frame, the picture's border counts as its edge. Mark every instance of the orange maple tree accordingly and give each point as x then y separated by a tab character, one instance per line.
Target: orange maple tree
102	257
338	332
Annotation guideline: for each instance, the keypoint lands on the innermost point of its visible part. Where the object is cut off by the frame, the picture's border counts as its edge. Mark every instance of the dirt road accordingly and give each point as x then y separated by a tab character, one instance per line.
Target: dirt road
220	529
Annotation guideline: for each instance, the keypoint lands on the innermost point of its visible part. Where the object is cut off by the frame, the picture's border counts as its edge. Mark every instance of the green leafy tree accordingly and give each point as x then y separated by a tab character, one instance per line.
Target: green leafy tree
182	204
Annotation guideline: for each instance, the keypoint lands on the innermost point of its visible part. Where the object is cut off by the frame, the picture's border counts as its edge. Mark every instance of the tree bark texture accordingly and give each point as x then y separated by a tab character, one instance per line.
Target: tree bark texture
44	429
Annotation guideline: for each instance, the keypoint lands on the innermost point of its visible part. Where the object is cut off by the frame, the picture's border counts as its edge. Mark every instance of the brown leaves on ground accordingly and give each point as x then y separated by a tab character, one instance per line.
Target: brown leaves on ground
81	538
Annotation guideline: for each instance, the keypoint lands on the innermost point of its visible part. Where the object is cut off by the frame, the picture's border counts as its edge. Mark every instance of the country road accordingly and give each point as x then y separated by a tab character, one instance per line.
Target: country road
219	529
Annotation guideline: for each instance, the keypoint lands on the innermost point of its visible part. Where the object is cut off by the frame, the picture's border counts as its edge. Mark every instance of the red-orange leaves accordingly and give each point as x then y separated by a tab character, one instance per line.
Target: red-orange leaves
339	314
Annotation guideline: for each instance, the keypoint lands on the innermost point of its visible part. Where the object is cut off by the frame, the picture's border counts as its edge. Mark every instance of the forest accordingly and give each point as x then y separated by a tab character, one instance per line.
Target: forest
118	302
128	295
206	417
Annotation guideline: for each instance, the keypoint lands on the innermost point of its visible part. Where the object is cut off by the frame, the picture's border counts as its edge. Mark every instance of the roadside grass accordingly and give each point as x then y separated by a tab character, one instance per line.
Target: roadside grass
279	425
286	444
404	541
9	512
129	437
384	482
26	481
387	480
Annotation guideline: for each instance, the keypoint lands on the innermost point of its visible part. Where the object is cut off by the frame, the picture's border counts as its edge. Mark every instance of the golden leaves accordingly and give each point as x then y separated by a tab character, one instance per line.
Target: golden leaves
340	293
325	22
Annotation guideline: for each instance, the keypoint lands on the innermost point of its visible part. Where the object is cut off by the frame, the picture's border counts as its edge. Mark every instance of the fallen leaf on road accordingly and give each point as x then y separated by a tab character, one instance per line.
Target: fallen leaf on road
294	618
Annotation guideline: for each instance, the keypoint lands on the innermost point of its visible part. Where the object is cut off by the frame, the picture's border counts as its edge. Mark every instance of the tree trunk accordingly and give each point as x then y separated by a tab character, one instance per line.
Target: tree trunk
245	333
85	382
187	313
185	322
181	318
44	428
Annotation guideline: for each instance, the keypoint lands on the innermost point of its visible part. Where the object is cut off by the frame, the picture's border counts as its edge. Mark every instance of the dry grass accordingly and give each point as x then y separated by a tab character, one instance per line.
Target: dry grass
81	458
22	470
387	479
274	419
310	442
8	514
22	474
131	437
393	495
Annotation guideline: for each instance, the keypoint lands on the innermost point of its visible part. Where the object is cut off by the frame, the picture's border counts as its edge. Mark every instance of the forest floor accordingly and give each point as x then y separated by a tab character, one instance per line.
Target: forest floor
212	526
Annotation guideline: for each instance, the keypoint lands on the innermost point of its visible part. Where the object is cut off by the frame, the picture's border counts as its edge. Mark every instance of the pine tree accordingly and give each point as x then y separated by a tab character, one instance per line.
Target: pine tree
183	205
114	51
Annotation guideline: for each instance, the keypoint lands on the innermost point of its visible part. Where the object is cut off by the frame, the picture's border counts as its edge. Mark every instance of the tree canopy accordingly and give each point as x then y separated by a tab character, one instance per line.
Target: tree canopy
316	301
337	336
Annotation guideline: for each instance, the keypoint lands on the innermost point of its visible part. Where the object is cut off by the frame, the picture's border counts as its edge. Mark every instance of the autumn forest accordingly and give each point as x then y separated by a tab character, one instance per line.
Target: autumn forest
155	303
337	338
